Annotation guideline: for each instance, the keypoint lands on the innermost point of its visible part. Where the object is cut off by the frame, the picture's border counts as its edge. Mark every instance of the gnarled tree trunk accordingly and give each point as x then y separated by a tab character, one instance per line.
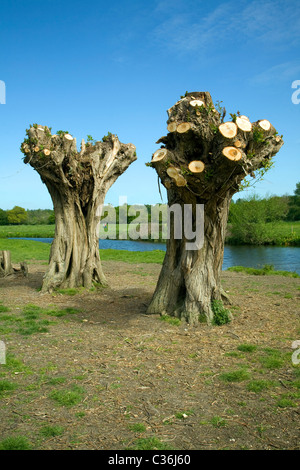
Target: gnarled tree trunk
78	183
203	161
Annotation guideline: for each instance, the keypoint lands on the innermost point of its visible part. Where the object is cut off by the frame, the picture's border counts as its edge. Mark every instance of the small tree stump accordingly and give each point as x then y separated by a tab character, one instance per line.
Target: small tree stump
5	264
6	268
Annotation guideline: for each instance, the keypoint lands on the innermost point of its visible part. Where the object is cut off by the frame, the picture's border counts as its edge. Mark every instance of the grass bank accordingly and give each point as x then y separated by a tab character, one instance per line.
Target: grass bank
266	270
27	250
273	233
27	231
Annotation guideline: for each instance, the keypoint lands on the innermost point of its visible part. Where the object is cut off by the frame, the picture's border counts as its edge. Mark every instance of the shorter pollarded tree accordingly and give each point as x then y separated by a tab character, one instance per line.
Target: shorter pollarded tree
78	183
202	162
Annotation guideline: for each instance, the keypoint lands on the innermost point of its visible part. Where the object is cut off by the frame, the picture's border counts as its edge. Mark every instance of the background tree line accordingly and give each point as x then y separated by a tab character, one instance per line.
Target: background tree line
20	216
252	220
257	220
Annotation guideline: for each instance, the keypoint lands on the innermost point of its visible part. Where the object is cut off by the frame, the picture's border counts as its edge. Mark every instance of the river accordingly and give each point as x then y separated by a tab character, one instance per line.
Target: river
286	258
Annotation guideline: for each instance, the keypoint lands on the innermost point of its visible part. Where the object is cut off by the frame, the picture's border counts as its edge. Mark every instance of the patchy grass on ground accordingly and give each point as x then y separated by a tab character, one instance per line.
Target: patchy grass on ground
92	371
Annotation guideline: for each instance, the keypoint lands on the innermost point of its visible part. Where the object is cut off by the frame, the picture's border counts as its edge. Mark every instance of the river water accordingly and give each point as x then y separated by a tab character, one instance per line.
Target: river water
286	258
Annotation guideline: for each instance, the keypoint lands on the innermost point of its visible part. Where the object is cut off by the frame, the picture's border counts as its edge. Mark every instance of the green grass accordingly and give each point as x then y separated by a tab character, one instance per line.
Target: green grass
258	386
218	422
286	403
235	376
247	347
51	431
284	233
272	359
265	270
27	250
171	320
15	443
27	231
68	397
149	443
137	427
32	319
155	256
15	365
184	414
6	386
69	291
3	308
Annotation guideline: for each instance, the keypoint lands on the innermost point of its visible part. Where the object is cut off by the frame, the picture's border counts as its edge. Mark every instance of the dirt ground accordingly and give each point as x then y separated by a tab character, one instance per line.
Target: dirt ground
143	380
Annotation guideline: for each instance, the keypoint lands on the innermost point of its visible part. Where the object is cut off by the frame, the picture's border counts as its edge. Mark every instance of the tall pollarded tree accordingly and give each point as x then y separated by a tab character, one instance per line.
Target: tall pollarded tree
203	161
78	183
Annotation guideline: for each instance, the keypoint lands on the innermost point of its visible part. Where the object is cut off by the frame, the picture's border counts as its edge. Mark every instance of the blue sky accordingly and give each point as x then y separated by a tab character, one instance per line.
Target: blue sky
93	67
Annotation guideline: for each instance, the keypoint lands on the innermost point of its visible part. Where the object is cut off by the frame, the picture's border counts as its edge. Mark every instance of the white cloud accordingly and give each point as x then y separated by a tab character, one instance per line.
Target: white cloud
192	27
280	72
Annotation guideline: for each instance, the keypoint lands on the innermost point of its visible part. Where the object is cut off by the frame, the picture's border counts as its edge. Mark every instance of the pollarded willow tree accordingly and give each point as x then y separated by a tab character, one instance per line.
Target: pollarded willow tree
78	183
203	161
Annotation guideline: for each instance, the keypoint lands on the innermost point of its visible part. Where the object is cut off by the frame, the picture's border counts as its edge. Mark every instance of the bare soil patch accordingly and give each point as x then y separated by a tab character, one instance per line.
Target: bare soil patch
137	377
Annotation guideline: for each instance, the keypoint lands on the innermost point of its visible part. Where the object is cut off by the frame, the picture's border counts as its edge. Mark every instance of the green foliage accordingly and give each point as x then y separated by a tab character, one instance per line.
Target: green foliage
294	205
17	216
259	174
248	218
221	314
106	137
3	217
220	108
258	135
61	133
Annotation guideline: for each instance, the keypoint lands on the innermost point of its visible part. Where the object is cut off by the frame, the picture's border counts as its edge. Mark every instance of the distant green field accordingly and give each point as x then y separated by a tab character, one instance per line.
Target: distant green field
279	233
27	231
47	231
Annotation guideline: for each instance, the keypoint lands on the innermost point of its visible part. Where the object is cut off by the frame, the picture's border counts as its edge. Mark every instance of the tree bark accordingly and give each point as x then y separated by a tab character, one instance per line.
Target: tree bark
205	155
6	268
78	183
